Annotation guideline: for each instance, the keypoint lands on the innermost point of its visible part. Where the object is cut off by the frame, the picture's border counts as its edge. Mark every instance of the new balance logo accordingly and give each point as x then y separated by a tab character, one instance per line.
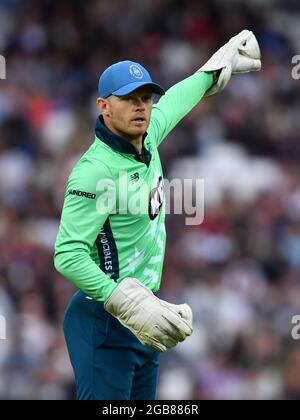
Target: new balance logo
82	194
135	177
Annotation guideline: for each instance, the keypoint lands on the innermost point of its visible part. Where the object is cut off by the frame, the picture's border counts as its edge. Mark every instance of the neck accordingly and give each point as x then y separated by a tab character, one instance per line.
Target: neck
137	143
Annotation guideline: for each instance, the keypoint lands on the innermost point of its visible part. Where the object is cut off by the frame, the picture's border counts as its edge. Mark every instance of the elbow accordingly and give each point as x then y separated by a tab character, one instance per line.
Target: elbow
59	261
68	263
64	263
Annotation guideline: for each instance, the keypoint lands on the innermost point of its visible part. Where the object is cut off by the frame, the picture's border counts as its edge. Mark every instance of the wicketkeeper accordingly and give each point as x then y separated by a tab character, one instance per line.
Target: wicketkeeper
115	327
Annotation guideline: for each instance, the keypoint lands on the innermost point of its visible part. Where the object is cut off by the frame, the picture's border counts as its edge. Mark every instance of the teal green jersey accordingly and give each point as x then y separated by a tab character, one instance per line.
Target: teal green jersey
113	218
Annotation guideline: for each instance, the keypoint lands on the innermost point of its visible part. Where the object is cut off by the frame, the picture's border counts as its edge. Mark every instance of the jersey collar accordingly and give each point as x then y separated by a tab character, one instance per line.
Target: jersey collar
120	144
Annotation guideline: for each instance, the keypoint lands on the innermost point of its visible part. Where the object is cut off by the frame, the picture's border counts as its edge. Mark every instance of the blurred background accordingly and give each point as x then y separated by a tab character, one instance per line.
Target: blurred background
239	270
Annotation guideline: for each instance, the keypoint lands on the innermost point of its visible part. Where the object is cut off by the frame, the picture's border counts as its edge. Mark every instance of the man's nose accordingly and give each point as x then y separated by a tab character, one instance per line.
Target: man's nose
139	103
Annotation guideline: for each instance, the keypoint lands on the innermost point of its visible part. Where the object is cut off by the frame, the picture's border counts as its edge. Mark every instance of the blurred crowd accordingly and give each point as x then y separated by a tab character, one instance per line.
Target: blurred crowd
239	269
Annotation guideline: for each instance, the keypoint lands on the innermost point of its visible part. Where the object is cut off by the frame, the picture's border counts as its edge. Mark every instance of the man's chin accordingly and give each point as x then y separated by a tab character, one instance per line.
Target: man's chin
137	131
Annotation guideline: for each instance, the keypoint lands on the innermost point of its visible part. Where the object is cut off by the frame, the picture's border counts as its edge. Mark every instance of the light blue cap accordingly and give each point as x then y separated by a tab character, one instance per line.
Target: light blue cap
124	77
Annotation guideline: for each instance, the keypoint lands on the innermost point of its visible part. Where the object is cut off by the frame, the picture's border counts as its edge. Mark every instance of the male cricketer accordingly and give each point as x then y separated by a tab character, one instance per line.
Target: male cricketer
115	326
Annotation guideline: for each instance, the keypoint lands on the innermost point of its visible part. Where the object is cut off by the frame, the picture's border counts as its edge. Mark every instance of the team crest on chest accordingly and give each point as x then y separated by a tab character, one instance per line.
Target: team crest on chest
156	199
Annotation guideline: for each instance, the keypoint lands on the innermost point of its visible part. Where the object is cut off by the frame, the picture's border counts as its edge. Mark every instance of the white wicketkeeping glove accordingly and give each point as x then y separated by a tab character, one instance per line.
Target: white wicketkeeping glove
156	323
241	54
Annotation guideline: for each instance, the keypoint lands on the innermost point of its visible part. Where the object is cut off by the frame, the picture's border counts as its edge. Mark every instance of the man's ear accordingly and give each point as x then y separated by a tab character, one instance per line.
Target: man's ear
103	106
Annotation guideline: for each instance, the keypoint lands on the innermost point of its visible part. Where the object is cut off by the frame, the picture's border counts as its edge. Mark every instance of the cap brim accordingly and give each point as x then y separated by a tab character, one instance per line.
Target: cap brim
124	90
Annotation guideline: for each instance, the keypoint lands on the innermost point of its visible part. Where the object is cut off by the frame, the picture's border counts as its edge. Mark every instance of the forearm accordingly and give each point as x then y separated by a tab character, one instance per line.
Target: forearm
181	98
83	272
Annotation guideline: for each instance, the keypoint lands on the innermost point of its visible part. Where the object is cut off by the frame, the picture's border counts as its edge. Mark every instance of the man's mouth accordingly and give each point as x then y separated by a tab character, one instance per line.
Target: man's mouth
139	119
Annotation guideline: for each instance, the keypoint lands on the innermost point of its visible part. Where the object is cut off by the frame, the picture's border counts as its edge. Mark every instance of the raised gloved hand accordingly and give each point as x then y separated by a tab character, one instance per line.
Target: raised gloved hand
241	54
156	323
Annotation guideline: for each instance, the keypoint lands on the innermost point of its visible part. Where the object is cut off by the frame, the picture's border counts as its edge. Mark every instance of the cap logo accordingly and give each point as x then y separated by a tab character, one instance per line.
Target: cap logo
136	71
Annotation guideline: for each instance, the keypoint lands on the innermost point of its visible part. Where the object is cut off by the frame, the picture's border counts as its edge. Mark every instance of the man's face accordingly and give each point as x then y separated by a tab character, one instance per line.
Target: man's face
129	115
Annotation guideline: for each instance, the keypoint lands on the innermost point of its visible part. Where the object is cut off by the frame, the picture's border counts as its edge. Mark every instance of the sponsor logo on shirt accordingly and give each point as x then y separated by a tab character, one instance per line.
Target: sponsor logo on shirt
106	252
135	177
82	194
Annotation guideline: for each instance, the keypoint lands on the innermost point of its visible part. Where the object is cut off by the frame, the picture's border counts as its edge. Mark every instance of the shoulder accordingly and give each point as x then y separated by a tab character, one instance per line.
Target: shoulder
93	163
86	168
89	170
